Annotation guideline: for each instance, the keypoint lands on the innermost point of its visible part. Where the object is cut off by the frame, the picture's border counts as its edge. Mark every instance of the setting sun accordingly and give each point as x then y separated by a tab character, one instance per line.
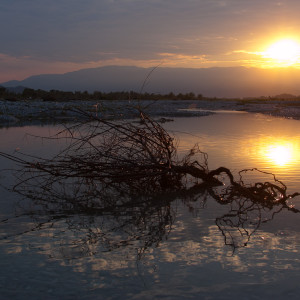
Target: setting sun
285	52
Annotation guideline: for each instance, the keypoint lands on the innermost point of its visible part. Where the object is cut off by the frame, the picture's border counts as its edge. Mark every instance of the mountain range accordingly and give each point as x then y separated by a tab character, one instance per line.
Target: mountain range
211	82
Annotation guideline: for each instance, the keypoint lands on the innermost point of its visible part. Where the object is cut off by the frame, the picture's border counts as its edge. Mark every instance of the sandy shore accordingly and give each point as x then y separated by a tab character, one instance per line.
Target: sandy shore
15	113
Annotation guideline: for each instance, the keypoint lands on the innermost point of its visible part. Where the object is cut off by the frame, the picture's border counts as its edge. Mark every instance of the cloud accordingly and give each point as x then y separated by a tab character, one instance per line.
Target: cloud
177	60
80	32
19	68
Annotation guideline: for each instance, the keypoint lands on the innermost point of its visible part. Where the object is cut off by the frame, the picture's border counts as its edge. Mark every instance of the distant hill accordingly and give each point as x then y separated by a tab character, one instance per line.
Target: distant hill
210	82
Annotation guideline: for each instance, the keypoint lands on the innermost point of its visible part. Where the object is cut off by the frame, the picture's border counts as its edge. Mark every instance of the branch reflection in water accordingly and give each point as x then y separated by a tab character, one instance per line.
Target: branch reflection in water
115	183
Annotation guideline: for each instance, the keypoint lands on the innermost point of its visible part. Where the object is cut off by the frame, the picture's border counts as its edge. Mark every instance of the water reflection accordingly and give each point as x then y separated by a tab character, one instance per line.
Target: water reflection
89	217
182	247
282	153
246	141
113	186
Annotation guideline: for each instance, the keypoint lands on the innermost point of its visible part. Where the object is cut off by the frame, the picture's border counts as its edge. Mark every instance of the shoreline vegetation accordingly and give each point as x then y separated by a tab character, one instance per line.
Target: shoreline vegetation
26	106
22	93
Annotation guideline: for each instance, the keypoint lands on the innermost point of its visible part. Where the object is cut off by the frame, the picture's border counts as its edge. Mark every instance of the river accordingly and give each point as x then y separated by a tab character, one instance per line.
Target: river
188	251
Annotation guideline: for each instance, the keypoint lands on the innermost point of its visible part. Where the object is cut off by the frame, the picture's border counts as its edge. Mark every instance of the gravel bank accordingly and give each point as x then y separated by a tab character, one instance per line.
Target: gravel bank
16	113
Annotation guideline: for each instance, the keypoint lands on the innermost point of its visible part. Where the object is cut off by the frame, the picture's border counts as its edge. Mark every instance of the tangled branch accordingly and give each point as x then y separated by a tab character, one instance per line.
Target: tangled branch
130	169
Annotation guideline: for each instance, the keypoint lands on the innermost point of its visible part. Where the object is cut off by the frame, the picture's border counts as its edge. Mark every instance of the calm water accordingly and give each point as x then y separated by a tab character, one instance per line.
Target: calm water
185	256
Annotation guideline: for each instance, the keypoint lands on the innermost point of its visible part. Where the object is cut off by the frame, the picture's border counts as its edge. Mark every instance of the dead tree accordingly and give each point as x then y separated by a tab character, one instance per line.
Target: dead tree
121	151
133	157
116	165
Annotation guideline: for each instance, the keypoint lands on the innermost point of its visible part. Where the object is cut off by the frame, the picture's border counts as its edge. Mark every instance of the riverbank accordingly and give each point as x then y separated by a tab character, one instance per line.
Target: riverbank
18	113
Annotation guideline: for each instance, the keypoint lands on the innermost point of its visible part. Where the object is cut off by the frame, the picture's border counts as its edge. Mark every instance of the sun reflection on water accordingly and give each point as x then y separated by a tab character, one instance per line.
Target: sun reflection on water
280	154
271	153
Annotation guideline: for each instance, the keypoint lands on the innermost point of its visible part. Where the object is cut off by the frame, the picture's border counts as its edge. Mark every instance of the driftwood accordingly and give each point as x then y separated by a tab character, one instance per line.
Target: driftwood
130	171
121	151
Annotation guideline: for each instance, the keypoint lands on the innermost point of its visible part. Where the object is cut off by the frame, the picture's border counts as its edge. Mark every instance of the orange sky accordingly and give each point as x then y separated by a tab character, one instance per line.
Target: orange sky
57	37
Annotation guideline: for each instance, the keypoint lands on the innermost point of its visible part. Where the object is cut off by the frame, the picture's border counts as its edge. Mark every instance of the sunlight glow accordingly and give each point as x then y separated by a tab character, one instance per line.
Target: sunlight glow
280	154
285	52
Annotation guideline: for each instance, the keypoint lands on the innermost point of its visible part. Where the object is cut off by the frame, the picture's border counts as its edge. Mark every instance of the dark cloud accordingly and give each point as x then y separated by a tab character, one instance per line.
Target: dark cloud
78	31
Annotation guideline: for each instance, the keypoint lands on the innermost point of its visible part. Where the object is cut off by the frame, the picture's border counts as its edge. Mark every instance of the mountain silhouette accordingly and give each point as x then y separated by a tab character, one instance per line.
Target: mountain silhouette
210	82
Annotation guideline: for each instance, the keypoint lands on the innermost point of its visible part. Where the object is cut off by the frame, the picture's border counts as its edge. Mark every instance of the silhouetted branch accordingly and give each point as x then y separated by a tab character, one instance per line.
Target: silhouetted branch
128	172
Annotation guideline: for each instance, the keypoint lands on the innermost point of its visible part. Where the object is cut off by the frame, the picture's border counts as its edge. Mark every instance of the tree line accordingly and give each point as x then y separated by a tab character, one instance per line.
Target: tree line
57	95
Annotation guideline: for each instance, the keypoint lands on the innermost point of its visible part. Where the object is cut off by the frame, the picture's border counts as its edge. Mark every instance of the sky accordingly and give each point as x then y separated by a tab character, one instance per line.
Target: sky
58	36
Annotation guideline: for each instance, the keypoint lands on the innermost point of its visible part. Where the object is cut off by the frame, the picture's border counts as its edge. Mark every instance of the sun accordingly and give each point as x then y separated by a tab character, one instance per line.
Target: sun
285	52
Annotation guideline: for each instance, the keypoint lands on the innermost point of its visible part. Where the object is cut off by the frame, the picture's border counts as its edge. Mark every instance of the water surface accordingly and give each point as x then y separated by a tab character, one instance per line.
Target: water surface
185	256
